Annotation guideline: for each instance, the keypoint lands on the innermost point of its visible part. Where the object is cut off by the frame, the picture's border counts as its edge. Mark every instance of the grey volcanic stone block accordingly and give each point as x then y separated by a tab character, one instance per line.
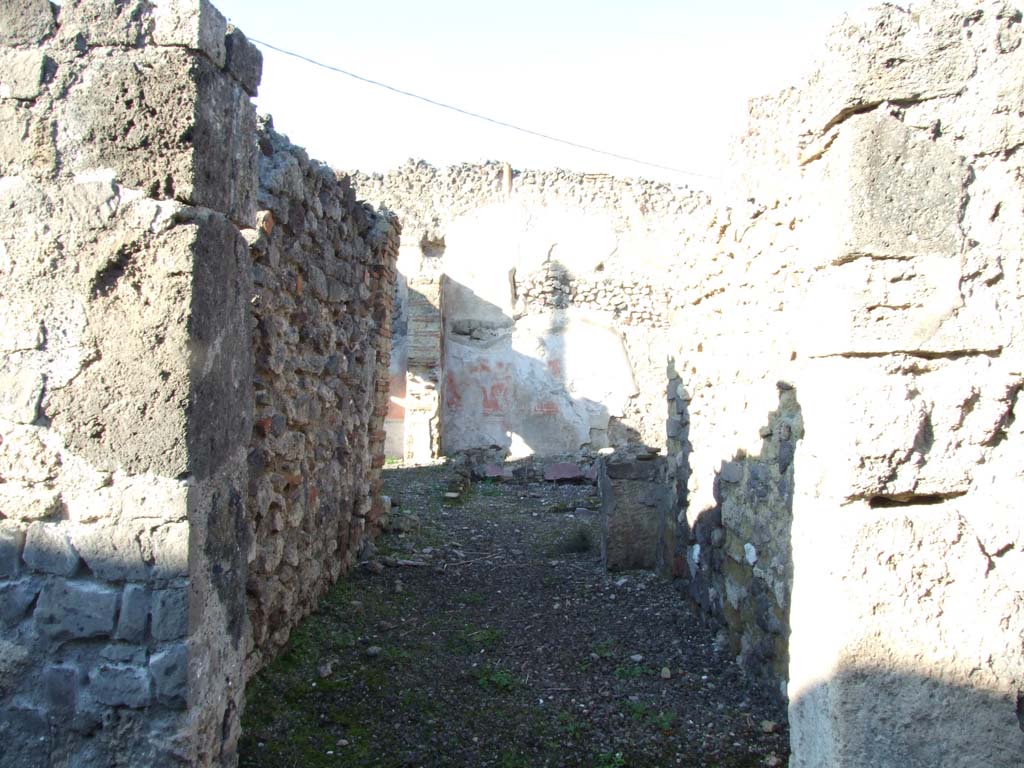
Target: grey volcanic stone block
119	685
124	653
11	542
131	623
169	668
60	687
25	21
47	549
732	472
245	62
170	614
68	609
25	734
16	598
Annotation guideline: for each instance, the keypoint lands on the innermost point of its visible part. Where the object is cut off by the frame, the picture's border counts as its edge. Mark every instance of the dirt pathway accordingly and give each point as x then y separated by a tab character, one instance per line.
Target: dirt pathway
483	632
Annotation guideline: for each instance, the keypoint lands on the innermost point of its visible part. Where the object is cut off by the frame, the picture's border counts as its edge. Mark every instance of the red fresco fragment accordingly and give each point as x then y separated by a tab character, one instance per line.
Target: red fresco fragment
546	408
452	395
493	398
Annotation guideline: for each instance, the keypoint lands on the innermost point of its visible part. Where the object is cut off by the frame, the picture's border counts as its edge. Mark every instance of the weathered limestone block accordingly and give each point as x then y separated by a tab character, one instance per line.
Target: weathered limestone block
193	24
97	23
21	74
25	22
123	114
913	55
22	389
142	334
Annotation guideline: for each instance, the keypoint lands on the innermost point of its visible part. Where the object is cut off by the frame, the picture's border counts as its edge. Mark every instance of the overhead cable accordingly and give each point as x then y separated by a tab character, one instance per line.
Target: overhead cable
478	116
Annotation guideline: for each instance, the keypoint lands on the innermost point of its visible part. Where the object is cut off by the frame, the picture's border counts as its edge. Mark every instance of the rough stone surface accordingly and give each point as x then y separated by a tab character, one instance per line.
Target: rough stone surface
16	598
69	609
26	736
170	614
192	24
60	683
48	550
852	526
134	615
633	506
125	375
244	60
169	669
195	409
25	22
12	541
324	274
120	685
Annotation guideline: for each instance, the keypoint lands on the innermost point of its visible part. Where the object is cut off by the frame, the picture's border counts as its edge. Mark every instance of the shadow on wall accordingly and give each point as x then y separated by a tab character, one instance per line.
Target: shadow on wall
739	551
922	705
545	383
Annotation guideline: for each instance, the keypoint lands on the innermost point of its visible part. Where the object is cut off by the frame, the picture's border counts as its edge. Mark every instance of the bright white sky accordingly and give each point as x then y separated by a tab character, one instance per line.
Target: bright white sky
662	80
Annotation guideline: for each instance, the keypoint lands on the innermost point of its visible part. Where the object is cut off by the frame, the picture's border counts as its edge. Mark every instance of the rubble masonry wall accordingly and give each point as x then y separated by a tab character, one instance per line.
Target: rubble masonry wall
324	274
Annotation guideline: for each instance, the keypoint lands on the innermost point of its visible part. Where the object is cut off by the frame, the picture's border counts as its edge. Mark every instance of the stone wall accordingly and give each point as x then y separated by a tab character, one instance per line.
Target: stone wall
843	393
127	167
323	267
128	248
541	269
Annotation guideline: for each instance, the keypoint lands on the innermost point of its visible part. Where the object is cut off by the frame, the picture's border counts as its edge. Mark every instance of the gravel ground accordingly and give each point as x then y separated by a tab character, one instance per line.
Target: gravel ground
482	631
